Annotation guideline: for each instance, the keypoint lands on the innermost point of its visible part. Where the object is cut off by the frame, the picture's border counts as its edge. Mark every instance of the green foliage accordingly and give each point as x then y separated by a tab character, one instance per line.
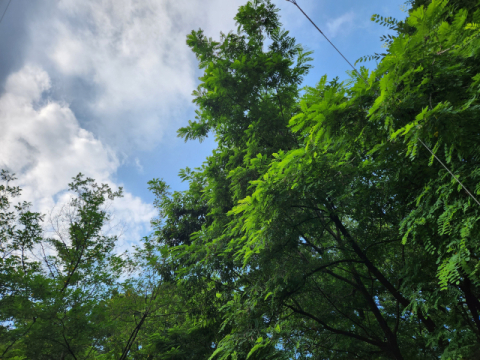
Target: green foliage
54	289
319	228
334	226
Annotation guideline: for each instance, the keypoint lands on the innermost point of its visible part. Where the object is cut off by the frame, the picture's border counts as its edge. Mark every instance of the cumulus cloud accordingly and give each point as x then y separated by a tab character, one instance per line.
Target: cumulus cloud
44	145
132	56
112	78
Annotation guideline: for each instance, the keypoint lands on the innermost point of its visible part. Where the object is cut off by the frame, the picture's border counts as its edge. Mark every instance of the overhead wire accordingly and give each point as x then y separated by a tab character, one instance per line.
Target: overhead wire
446	168
294	2
3	15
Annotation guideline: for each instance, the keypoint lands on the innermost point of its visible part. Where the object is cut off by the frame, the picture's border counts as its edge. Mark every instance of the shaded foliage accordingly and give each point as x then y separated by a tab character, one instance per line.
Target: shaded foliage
320	227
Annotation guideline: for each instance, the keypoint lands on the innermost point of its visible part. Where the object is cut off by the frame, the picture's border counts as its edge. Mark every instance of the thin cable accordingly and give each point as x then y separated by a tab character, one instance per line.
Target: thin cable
294	2
5	11
451	173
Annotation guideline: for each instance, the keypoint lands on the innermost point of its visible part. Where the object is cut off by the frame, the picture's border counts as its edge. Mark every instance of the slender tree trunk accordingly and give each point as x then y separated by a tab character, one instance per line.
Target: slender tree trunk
429	324
472	303
392	349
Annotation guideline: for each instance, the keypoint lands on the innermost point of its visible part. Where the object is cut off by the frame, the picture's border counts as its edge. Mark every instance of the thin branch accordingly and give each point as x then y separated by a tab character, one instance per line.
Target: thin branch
331	329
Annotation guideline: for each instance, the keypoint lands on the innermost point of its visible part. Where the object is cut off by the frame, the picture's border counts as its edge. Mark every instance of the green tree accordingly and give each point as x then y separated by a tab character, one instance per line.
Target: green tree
54	288
326	235
248	93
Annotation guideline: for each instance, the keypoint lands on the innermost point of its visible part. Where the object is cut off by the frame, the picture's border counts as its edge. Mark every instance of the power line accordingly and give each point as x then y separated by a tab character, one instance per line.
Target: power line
446	168
294	2
5	11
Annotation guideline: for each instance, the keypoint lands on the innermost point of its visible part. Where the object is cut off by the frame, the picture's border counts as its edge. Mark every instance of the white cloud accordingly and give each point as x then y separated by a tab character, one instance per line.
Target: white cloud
133	53
44	145
342	24
124	67
138	165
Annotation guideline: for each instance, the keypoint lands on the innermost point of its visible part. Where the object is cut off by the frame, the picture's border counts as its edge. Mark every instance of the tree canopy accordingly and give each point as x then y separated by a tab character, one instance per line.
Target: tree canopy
339	221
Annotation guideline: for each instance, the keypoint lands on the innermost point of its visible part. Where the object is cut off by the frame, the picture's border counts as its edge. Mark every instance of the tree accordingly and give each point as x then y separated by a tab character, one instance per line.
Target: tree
54	288
330	237
247	95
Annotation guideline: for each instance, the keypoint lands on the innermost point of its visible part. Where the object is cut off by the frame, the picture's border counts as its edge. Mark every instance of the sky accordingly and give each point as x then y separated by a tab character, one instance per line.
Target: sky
101	86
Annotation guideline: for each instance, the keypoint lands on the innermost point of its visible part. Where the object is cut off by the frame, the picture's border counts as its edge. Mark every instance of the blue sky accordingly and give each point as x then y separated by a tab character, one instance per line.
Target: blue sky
101	86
